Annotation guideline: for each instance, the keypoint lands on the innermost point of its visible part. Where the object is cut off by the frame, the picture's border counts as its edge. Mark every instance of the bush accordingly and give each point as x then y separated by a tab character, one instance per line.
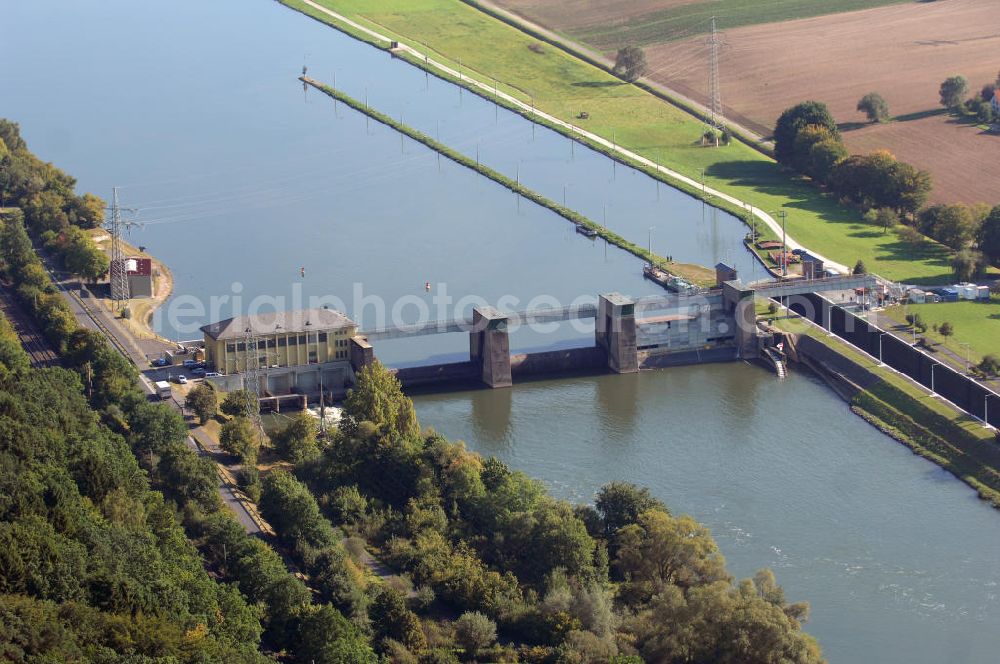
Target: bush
990	365
474	632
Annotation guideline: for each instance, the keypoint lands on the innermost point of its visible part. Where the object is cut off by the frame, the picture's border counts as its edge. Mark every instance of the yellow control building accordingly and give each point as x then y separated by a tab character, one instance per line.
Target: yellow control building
296	350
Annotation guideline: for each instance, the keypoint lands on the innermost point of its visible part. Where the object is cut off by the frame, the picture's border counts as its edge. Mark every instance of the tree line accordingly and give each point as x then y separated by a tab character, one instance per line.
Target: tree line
499	569
103	503
891	194
53	212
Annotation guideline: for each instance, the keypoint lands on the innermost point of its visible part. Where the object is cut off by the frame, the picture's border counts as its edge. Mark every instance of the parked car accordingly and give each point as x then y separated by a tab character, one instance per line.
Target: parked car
198	372
182	379
159	362
189	364
212	374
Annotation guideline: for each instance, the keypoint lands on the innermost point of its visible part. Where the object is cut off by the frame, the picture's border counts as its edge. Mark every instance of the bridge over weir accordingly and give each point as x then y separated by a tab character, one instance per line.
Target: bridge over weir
673	325
768	289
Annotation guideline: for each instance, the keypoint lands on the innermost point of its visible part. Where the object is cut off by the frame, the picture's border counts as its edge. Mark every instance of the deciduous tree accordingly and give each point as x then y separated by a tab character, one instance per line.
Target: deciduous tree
378	398
239	437
874	106
794	120
630	63
989	235
202	401
952	91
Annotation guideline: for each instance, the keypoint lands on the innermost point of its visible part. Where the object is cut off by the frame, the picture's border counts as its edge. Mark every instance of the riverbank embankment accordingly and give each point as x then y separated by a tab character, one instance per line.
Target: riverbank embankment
900	408
699	275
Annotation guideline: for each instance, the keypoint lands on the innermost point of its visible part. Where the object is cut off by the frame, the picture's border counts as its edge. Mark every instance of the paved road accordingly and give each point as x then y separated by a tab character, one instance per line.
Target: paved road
94	317
489	91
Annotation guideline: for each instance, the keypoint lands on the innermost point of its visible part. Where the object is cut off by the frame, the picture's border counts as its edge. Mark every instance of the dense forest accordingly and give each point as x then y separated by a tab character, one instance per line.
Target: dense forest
115	545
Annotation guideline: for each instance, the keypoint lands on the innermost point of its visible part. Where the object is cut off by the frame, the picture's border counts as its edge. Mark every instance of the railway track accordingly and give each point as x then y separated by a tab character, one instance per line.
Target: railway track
35	344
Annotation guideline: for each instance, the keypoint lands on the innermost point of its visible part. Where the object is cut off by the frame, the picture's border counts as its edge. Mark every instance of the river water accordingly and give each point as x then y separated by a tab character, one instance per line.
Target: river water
242	180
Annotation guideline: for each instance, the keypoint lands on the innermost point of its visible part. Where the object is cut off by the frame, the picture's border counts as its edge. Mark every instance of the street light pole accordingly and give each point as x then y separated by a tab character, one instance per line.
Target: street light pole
784	244
649	243
881	363
933	367
968	356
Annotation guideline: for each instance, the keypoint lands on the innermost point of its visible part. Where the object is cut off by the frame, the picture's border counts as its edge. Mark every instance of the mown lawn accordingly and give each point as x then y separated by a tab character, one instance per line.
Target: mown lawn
564	86
692	18
975	323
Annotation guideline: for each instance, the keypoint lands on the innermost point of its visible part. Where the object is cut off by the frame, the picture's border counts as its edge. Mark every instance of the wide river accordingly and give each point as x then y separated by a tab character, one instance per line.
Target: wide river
246	186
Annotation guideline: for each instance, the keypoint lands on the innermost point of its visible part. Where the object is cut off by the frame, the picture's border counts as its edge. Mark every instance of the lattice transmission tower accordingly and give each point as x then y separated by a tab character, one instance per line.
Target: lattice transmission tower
118	268
716	119
251	375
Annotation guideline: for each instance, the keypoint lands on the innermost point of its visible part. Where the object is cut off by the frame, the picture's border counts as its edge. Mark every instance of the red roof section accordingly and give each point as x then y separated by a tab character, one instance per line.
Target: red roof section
143	266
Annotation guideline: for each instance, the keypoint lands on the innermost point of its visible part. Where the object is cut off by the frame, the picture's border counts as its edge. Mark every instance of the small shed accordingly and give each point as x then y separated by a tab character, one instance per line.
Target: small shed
916	296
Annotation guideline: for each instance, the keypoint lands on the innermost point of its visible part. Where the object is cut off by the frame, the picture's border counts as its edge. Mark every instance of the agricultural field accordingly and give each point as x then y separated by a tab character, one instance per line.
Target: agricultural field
961	157
613	23
776	54
563	85
902	51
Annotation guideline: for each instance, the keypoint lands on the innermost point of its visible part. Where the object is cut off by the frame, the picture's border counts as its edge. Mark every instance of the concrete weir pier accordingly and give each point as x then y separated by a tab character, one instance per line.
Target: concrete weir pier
489	346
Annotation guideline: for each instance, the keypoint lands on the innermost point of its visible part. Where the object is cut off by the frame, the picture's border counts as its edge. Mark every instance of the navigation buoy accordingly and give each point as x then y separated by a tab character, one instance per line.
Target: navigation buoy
302	272
427	286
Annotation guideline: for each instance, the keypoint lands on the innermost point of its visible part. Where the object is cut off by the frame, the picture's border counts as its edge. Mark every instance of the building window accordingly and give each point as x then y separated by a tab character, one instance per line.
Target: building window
292	341
241	346
302	339
322	337
231	348
282	342
312	357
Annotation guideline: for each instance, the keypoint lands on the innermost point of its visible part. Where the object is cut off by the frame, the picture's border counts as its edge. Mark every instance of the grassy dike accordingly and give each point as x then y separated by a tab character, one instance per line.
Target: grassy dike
927	425
697	274
561	84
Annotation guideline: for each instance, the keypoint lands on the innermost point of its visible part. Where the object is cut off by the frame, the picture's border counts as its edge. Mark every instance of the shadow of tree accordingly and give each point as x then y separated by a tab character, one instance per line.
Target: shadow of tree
769	178
597	84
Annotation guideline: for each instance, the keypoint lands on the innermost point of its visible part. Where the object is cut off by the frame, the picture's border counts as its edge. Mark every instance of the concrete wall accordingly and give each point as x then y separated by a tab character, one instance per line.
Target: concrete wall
439	374
656	360
961	390
591	359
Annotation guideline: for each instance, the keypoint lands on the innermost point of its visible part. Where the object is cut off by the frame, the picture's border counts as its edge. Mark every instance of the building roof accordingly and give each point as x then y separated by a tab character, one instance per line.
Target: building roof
142	266
278	322
138	265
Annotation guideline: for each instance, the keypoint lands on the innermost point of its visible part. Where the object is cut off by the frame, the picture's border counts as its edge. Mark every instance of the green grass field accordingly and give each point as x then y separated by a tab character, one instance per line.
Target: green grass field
694	18
564	86
975	323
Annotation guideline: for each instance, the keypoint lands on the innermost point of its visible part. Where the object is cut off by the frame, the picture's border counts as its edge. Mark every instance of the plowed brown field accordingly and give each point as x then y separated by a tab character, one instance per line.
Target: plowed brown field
902	51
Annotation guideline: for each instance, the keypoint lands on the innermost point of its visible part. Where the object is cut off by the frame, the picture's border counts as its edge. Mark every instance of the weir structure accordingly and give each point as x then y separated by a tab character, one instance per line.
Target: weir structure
630	334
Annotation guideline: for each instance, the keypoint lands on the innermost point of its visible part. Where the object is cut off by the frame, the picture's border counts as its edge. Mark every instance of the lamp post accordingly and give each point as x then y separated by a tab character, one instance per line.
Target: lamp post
784	244
968	356
881	363
933	367
649	243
